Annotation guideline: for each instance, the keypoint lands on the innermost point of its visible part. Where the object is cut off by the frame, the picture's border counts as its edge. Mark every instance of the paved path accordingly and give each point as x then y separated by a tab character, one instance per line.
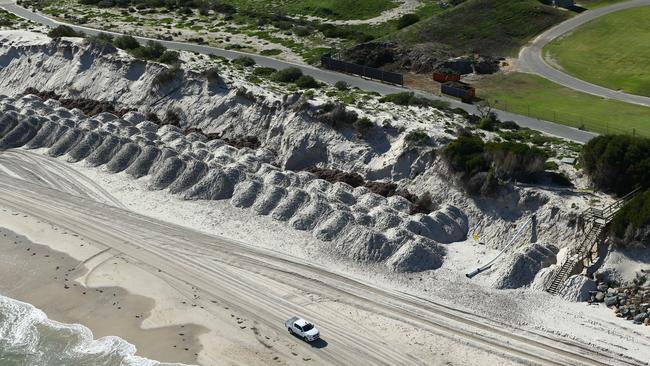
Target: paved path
327	76
532	60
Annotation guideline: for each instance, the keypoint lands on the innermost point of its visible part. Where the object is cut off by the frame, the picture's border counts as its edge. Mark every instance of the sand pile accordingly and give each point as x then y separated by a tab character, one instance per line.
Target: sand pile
359	224
522	268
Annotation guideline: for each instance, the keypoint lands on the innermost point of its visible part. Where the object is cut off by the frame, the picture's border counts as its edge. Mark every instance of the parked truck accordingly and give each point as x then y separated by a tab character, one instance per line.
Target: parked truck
302	328
460	90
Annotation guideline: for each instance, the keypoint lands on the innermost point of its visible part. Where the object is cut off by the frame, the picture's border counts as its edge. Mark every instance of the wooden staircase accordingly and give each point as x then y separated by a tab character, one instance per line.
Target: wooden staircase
597	221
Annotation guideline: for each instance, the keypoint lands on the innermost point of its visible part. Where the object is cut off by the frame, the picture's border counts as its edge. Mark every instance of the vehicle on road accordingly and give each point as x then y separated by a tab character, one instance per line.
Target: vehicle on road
302	328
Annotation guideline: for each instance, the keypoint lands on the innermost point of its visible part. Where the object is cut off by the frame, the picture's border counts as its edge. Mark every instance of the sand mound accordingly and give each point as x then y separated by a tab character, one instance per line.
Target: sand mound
370	200
134	117
524	265
446	225
362	218
399	204
318	186
269	199
7	123
88	144
330	228
246	193
45	136
364	245
105	151
385	219
147	126
294	201
124	157
276	178
343	193
144	162
417	255
170	169
216	185
578	288
311	215
18	136
194	171
165	153
69	140
90	124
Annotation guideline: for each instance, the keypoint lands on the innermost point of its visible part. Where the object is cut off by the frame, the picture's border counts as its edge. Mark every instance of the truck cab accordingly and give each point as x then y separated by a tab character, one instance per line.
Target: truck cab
302	328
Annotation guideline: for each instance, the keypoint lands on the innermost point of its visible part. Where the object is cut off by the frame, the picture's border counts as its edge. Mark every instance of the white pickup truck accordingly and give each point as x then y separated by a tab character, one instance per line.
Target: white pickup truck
302	328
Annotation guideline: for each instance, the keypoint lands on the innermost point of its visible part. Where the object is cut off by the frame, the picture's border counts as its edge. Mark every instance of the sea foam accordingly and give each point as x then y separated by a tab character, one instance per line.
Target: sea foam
29	338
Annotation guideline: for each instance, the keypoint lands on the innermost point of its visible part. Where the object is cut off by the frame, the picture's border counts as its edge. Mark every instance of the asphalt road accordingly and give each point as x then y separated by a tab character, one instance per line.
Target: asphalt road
327	76
532	60
266	286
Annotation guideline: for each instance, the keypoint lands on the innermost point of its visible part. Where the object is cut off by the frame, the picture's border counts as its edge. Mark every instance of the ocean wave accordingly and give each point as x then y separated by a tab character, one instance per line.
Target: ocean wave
29	338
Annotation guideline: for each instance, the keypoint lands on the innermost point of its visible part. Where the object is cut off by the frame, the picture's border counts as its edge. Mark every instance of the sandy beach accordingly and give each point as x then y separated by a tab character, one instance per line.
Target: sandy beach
76	281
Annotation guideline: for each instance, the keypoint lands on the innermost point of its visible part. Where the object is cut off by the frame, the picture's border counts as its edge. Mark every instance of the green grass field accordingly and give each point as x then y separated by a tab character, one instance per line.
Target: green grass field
537	97
611	51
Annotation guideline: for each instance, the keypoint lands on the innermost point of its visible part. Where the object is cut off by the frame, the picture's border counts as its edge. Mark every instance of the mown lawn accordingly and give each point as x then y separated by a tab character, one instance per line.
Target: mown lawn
611	51
537	97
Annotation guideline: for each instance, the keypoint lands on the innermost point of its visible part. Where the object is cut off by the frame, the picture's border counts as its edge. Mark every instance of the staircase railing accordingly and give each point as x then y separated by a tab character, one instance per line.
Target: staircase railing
598	219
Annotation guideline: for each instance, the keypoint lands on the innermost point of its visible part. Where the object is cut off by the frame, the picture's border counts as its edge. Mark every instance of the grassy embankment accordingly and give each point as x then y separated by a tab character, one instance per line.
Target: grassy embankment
611	51
489	27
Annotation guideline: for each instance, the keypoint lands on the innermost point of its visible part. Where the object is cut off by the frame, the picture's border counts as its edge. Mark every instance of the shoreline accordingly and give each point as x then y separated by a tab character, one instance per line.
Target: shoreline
49	280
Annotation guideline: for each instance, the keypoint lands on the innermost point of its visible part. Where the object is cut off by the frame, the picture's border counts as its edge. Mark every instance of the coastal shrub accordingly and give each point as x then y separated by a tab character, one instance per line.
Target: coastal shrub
288	75
513	160
337	115
363	125
103	39
164	77
152	51
307	82
341	85
169	57
264	71
172	117
617	163
212	73
406	20
244	61
409	98
63	31
480	165
631	225
126	42
417	137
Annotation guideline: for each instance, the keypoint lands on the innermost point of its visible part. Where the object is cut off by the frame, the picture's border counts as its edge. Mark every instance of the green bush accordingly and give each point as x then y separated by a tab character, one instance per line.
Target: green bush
406	20
245	61
307	82
212	73
169	57
152	51
126	42
617	163
631	223
480	164
164	77
409	98
288	75
363	125
264	71
63	31
342	85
